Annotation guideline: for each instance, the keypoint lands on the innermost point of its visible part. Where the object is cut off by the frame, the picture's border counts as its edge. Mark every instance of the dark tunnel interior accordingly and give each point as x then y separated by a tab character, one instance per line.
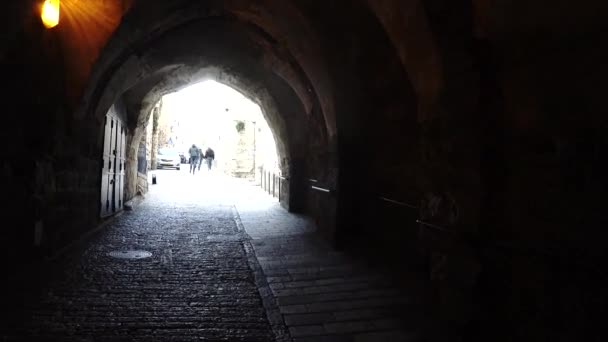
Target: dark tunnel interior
442	172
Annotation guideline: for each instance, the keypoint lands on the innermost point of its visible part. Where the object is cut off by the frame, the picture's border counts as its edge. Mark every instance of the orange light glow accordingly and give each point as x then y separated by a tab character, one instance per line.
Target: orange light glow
50	13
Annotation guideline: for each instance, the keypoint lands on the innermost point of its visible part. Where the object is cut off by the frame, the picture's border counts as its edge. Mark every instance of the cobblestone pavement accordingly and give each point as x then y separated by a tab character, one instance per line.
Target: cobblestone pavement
197	285
323	295
228	264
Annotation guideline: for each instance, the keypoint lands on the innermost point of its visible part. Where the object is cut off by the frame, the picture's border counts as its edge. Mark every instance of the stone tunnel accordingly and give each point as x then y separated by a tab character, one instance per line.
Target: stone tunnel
457	140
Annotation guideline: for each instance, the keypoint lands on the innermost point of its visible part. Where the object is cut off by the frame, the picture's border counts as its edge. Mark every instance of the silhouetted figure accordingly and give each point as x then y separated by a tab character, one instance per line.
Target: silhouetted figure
209	157
194	156
200	159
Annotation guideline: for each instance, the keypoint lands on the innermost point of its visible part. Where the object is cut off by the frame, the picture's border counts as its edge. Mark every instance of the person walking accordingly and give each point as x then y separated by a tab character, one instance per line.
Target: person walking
200	159
194	155
209	157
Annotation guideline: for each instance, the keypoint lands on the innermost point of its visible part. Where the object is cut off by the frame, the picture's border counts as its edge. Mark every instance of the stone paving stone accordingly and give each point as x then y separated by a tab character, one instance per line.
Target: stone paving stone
306	330
278	279
353	304
293	284
396	336
197	284
215	275
293	309
348	327
361	314
326	338
277	286
322	294
386	324
307	319
287	292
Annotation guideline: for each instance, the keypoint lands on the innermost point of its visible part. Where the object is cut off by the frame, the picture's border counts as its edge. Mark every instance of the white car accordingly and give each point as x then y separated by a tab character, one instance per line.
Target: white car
168	158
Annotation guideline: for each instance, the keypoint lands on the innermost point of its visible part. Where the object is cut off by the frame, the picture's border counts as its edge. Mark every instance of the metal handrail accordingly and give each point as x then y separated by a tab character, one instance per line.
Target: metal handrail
436	227
466	238
510	246
320	189
403	204
507	246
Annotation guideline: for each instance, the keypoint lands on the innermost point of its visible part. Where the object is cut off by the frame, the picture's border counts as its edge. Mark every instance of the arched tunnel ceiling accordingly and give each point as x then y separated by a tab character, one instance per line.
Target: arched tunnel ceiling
226	51
291	30
159	47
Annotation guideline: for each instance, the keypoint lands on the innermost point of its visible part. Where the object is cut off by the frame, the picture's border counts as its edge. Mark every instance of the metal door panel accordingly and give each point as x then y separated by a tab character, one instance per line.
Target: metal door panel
121	185
114	142
105	201
107	137
123	149
117	166
121	169
106	166
112	180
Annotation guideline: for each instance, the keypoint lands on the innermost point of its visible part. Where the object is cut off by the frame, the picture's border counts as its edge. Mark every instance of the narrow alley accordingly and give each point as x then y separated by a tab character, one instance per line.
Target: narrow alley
438	170
186	265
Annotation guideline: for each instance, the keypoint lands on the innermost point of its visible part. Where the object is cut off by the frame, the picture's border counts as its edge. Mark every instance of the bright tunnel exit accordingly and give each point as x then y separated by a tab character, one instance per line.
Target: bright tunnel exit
214	116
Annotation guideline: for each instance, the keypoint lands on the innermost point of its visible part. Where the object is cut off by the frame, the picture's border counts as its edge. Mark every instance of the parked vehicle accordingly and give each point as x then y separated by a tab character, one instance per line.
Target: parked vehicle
168	158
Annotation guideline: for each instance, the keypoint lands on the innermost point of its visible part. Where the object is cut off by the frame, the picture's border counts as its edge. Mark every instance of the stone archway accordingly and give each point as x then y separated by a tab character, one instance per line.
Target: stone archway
185	77
220	51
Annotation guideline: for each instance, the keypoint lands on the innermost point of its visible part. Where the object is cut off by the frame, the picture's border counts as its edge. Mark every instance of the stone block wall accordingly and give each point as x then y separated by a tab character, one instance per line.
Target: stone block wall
142	184
241	163
546	180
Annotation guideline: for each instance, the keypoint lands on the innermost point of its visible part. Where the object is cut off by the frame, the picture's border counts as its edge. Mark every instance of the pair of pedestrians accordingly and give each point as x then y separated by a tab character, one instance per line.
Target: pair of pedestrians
197	156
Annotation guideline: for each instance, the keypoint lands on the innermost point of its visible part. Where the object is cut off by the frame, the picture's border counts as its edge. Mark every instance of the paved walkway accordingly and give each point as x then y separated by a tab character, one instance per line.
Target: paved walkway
254	273
324	295
197	285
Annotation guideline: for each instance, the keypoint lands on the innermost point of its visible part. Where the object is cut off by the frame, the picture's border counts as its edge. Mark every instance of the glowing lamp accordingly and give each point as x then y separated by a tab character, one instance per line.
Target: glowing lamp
50	13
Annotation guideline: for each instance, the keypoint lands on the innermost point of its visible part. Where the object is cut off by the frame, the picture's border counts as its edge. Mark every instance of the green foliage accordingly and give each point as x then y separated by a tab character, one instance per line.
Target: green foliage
240	126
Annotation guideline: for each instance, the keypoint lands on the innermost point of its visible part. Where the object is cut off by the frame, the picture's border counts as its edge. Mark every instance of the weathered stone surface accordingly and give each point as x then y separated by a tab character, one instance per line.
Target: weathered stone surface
499	103
324	295
196	285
